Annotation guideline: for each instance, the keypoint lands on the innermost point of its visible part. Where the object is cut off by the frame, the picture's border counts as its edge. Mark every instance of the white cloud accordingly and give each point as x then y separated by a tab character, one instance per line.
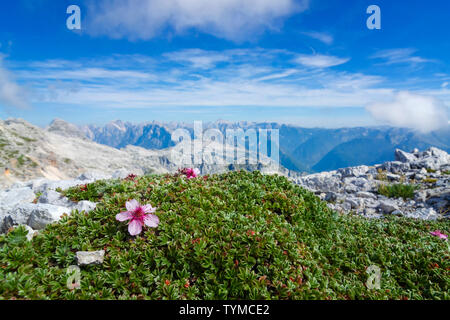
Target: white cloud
280	75
230	19
321	36
11	94
91	74
320	61
198	58
398	56
410	110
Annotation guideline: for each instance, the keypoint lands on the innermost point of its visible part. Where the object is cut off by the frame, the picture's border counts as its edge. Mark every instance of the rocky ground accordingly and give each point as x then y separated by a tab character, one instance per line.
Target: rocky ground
355	189
36	203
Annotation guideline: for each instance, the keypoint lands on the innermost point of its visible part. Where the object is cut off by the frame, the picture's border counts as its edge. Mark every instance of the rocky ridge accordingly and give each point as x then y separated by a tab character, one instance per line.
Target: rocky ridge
356	189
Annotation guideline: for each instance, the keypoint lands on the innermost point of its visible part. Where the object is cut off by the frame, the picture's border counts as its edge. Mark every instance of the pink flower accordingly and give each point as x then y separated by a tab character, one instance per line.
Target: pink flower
138	216
438	233
192	172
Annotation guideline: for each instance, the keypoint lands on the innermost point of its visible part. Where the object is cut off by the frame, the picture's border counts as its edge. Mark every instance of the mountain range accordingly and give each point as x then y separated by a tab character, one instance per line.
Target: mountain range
301	149
64	150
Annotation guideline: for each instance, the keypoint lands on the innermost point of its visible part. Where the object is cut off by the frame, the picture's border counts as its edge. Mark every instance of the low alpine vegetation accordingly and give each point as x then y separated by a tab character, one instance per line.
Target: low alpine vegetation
238	235
397	190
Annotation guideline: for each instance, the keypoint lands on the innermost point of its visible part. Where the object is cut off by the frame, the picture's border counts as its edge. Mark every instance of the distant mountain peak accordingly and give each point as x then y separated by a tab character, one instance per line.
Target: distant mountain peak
117	124
65	128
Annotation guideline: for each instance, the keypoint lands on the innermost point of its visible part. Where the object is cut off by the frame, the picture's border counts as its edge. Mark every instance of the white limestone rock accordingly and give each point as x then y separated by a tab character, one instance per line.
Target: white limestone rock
403	156
85	258
353	171
388	206
43	214
86	206
13	197
55	198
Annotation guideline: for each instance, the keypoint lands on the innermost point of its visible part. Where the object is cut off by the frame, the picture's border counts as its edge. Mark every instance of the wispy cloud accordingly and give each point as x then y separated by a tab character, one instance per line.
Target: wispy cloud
198	58
230	19
321	36
320	61
11	94
399	56
241	77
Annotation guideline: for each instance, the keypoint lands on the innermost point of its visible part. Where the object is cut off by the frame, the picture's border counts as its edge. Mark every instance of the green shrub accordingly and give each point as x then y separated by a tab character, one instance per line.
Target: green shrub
397	190
232	236
21	160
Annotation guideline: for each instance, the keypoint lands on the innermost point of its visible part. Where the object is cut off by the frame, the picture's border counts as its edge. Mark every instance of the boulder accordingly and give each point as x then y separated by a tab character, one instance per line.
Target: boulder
55	198
440	154
388	206
324	181
20	213
396	167
13	197
6	223
403	156
397	213
433	158
43	214
361	184
353	171
423	214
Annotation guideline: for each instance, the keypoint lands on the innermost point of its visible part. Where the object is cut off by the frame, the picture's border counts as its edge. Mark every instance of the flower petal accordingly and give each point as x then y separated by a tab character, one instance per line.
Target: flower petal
123	216
196	171
132	205
135	227
151	220
148	208
439	234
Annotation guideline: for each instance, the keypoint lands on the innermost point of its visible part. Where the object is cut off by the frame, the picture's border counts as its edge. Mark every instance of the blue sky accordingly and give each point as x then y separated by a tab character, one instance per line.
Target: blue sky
311	63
